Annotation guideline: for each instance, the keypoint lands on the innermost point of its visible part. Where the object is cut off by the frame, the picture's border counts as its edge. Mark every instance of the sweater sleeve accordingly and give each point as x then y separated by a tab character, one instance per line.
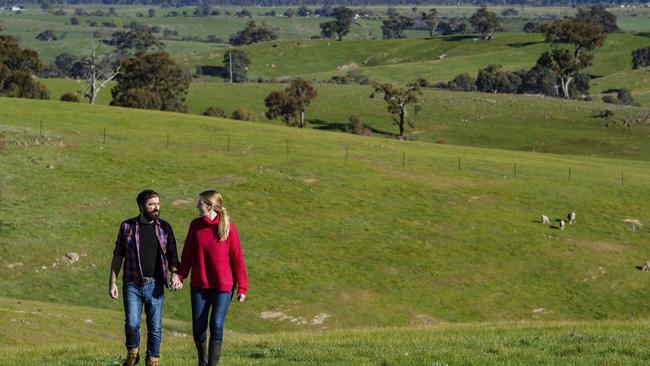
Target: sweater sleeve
186	257
237	260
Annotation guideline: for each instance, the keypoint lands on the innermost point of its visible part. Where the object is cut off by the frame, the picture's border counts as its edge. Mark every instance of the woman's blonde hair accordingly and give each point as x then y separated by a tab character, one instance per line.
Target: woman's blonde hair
214	199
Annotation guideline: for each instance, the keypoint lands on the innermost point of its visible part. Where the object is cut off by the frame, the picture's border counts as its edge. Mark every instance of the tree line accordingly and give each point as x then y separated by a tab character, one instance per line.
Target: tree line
181	3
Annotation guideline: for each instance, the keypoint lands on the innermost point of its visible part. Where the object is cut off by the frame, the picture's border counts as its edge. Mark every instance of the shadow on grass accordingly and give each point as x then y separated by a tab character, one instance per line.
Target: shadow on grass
458	38
343	127
523	44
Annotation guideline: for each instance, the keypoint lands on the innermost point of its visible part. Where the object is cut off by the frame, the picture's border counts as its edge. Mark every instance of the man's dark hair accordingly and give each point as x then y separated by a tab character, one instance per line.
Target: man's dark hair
145	195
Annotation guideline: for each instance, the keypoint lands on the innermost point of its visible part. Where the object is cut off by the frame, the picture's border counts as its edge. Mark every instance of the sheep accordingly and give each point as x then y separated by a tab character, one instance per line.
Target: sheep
545	220
646	266
571	217
562	224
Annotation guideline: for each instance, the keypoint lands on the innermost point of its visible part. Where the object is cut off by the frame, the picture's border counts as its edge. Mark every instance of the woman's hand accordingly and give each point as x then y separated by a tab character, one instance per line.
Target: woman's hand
241	297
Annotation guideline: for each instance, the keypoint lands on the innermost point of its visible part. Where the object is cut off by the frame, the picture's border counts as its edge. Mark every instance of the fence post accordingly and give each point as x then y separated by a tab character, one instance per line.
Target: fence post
104	142
515	169
622	177
347	152
459	163
569	174
403	159
40	133
168	140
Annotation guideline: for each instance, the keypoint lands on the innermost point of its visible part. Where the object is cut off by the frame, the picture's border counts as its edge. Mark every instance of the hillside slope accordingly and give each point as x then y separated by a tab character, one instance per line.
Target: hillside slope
397	233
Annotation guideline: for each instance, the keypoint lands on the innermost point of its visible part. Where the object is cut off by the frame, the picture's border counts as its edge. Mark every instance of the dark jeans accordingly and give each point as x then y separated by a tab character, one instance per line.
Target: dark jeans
202	301
151	295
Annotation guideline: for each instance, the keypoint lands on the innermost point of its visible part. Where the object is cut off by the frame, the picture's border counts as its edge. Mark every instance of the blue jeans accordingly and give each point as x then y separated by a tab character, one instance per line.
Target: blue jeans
202	301
151	295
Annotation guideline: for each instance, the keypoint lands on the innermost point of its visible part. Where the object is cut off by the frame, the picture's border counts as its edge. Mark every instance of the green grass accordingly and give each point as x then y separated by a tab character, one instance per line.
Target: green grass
85	336
364	239
513	122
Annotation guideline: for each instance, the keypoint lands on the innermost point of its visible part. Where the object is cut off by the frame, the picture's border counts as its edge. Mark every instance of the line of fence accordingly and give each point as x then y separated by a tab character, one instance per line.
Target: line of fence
422	158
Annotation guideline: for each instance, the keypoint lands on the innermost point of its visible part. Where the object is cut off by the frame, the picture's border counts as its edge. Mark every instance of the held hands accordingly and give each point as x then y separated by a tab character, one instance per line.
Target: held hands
175	284
112	290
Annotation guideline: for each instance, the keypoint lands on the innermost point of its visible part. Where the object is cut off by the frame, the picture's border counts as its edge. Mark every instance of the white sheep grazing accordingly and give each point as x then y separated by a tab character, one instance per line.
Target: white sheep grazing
646	266
562	223
545	220
571	217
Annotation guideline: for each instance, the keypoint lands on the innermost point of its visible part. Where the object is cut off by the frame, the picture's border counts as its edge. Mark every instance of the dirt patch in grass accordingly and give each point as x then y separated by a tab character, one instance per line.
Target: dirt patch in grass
601	246
181	202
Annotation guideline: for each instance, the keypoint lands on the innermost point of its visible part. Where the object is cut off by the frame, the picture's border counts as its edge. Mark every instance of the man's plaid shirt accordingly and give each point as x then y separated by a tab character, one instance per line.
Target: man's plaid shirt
127	245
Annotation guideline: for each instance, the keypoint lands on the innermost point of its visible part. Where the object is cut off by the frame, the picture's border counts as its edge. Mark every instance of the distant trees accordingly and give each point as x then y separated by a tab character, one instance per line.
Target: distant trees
236	64
430	19
151	12
253	33
509	12
291	103
17	66
340	26
139	39
461	82
598	14
485	22
151	81
394	27
623	96
398	100
493	79
46	36
569	39
451	27
74	21
532	27
641	58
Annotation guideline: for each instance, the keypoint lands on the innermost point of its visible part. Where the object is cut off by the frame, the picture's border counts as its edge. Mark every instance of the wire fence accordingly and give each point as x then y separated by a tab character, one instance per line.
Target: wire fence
414	157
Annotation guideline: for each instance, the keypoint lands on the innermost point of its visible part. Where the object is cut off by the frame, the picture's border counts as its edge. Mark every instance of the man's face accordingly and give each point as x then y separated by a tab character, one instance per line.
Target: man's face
151	208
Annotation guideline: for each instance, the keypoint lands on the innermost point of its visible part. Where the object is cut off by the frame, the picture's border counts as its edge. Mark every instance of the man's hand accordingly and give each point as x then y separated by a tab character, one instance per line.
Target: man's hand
112	290
175	283
241	297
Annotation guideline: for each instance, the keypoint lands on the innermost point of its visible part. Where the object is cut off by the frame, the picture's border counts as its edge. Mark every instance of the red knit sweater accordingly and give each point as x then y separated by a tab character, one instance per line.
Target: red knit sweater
215	264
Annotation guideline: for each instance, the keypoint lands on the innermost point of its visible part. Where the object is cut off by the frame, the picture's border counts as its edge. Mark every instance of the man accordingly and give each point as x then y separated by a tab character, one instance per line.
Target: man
147	246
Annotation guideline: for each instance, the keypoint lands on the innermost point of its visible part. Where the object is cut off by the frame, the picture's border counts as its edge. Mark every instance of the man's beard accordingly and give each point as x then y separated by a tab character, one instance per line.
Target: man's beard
151	215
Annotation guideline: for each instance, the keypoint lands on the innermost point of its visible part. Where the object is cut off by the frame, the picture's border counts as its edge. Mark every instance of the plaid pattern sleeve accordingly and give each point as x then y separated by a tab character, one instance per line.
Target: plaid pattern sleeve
127	246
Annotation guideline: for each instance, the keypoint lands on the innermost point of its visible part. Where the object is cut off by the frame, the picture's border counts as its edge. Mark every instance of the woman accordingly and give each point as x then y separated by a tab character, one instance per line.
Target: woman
213	253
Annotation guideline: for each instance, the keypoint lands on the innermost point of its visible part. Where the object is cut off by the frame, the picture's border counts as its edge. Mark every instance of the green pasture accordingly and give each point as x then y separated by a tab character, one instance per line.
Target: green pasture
512	122
368	231
82	336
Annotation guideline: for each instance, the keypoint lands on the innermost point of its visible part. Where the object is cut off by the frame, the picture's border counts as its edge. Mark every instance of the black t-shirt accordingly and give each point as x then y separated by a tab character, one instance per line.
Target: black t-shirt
149	251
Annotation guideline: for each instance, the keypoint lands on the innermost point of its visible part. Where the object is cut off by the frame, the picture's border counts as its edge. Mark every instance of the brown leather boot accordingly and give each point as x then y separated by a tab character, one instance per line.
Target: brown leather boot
152	361
132	357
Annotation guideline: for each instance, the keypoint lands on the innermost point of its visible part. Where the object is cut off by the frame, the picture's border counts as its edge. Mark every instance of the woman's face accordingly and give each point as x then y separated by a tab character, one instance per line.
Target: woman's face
204	208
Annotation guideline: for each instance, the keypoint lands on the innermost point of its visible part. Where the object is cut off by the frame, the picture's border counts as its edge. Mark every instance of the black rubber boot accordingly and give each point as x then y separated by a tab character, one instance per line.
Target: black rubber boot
202	352
215	353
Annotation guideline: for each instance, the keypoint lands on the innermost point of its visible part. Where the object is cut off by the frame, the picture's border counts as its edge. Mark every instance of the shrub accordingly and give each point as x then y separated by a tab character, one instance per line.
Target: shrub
46	35
214	112
641	58
357	127
138	98
70	97
243	114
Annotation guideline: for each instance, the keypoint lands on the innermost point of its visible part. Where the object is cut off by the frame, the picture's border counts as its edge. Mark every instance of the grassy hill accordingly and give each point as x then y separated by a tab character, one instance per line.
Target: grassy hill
79	336
513	122
393	235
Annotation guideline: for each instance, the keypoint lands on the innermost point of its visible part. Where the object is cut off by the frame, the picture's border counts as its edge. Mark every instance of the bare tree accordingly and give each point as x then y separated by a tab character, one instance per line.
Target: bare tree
97	71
